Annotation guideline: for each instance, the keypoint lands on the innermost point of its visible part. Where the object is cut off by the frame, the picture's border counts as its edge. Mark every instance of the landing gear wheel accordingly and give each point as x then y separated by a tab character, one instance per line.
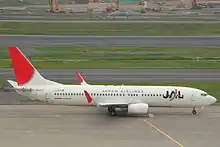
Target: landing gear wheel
111	111
194	111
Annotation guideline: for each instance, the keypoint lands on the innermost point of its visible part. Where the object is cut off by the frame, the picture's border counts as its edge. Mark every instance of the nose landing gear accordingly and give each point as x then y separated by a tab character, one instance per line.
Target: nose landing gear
194	111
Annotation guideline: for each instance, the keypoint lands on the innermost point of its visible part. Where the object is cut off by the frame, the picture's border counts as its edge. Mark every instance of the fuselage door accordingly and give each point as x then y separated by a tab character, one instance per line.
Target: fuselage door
48	97
193	97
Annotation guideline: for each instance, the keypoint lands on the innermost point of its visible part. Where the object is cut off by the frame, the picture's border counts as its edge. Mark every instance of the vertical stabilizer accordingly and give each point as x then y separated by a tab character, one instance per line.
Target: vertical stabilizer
24	71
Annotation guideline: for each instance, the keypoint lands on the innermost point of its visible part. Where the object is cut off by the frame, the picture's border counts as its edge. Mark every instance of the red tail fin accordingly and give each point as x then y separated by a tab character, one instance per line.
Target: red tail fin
23	69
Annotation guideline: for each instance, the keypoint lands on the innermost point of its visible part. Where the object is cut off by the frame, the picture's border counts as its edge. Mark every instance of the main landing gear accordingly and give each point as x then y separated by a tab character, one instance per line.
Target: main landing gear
112	111
194	111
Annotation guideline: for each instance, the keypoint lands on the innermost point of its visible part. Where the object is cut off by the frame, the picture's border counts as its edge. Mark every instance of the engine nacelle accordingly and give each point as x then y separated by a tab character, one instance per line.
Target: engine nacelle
138	108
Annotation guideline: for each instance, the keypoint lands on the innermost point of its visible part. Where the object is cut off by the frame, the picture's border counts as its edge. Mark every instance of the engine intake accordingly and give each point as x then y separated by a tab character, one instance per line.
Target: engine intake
138	108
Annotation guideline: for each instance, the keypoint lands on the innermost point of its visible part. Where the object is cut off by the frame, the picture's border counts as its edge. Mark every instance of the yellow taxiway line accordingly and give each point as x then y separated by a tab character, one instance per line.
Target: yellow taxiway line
163	133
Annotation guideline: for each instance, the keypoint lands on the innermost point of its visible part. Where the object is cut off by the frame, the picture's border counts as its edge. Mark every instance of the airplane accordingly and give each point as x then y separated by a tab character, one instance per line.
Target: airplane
130	99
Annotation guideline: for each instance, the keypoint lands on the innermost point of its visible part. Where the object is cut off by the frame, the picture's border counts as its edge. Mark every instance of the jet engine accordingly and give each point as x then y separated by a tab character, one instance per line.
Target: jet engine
138	108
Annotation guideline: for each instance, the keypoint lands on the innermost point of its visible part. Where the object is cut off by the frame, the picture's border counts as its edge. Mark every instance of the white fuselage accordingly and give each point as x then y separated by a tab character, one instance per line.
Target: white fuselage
159	96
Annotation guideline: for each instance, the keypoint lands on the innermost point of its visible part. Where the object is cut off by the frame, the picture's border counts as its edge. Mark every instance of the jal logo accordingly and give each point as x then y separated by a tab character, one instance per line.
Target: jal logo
173	95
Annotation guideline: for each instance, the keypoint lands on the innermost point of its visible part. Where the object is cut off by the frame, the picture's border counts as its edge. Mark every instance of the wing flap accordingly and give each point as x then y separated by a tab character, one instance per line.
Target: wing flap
113	104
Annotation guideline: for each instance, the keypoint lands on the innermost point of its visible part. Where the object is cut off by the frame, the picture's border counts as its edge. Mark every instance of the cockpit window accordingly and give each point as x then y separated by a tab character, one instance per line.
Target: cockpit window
204	94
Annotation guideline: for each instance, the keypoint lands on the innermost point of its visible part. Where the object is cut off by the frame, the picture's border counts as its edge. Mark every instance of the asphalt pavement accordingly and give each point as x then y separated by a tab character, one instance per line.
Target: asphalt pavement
27	42
46	125
124	75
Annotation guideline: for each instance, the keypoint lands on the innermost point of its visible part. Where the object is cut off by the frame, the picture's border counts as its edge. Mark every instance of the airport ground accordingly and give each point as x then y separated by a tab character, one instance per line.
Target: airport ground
46	125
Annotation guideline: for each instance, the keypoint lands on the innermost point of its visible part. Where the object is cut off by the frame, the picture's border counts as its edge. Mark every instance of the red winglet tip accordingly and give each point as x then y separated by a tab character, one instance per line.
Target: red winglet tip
79	77
88	97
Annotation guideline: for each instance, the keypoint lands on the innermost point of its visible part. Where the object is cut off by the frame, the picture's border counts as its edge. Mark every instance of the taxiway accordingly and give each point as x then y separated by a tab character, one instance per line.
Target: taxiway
123	75
45	125
29	41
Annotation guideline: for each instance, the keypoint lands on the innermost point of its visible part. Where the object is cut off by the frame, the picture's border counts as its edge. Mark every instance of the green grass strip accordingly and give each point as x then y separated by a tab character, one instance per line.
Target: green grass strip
108	29
120	57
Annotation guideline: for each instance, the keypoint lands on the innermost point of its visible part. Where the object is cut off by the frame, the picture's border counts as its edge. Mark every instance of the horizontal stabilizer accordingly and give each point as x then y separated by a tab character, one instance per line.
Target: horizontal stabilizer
16	87
13	83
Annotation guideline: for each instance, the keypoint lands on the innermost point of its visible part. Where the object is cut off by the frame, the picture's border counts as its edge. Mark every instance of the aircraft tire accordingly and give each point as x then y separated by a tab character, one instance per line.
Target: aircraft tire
113	113
194	112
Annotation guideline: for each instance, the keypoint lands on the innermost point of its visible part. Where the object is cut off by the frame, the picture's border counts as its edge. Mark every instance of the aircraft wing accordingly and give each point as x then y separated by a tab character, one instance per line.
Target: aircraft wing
105	104
112	104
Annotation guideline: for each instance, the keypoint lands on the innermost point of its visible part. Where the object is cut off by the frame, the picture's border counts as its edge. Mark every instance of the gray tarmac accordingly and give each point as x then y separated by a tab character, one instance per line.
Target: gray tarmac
45	125
123	75
27	42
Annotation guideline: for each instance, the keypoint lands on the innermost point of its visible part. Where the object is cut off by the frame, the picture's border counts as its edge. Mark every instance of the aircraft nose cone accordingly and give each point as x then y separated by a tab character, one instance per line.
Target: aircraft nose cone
212	99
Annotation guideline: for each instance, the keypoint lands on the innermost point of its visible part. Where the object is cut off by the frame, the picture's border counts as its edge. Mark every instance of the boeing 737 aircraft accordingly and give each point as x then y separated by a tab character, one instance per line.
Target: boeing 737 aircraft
132	99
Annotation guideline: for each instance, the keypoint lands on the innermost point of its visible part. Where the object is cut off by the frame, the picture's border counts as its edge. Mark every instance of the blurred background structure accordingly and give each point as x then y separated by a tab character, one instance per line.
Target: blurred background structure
115	9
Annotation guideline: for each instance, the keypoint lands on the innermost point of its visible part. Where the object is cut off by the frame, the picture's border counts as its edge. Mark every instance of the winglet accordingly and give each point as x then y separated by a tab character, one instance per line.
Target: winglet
88	97
81	79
